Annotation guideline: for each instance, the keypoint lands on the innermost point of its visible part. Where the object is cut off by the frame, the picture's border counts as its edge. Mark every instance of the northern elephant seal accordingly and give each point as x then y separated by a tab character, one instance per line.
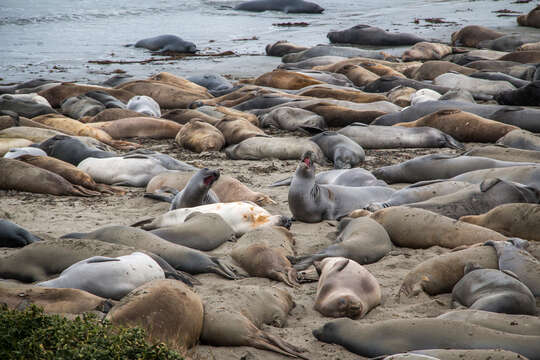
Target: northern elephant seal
236	130
493	290
79	106
289	118
474	85
344	177
472	35
286	148
13	235
287	6
521	139
524	174
145	127
370	35
14	153
311	202
433	68
200	136
524	96
24	107
145	105
530	19
343	152
346	289
109	101
56	94
163	43
426	51
282	47
283	79
72	150
501	152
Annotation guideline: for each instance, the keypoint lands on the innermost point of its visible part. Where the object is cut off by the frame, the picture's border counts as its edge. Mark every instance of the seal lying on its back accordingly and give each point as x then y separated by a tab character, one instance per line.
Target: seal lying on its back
287	6
12	235
310	202
164	43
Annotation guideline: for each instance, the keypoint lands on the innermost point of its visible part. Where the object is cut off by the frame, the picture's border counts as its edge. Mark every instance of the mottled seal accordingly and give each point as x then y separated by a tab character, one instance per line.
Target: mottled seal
145	105
344	177
343	152
287	6
12	235
419	334
346	289
515	220
386	137
79	106
163	43
283	79
370	35
362	240
108	277
311	202
493	290
285	148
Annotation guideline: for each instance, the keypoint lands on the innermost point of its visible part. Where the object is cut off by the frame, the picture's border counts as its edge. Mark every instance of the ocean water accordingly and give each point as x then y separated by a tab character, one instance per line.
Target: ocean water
56	39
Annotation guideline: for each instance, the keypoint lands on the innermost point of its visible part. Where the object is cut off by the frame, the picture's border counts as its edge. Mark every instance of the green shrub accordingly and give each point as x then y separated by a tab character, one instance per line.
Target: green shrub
32	334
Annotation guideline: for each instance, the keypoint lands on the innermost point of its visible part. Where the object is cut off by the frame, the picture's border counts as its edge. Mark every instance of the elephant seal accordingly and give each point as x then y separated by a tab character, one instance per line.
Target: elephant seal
514	258
199	136
514	220
501	152
56	94
109	101
362	240
523	57
343	177
343	152
500	77
525	174
282	47
504	43
164	43
15	153
426	51
433	68
530	19
145	105
197	191
287	6
474	85
53	301
6	144
148	127
20	176
289	118
263	252
241	216
387	83
421	191
203	232
178	256
285	148
11	89
524	96
358	75
479	199
419	334
283	79
236	130
472	35
168	310
79	106
108	277
332	50
438	166
370	35
234	316
386	137
463	126
29	133
311	202
514	324
25	108
12	235
521	139
216	84
419	229
493	290
401	95
346	289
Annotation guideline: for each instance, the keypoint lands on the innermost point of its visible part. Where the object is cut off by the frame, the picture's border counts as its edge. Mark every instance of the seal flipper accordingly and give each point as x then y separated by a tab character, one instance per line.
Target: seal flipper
222	269
453	143
283	182
99	259
172	273
164	198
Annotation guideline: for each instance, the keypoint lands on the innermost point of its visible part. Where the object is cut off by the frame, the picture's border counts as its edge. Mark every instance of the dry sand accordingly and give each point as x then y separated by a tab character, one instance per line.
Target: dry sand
52	216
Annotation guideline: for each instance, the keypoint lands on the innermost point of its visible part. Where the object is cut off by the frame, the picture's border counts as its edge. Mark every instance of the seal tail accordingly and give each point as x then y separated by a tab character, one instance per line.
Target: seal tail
273	343
223	269
82	191
283	182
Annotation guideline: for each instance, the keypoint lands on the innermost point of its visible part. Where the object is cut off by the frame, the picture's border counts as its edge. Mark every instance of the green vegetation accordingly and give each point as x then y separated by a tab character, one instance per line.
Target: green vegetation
32	334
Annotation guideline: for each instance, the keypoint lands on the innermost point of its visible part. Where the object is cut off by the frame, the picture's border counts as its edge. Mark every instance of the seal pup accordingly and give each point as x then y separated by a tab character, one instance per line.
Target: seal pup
145	105
419	334
12	235
344	152
346	289
287	6
108	277
311	202
164	43
286	148
25	108
472	35
493	290
524	96
109	101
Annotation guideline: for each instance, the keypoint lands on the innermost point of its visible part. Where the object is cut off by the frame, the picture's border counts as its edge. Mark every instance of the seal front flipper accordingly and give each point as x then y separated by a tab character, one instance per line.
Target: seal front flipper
283	182
172	273
164	198
99	259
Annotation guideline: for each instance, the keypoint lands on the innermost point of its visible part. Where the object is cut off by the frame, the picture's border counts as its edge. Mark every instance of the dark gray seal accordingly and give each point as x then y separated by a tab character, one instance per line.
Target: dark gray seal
12	89
493	290
25	108
163	43
344	152
331	50
71	150
12	235
109	101
437	166
81	105
362	240
500	77
345	177
513	257
521	139
287	6
506	43
387	83
392	137
525	174
528	95
479	199
371	35
216	84
310	202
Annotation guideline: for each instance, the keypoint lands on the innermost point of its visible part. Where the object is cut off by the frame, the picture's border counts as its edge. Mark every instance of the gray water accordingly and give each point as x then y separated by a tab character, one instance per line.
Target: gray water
56	38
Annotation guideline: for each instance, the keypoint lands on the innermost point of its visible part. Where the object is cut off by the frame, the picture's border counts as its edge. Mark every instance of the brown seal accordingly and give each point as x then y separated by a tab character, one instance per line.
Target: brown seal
29	133
463	126
530	19
357	96
18	175
283	47
263	252
110	115
8	119
431	69
419	229
401	95
184	116
282	79
236	130
380	69
399	67
182	83
69	172
167	309
535	46
501	152
340	116
73	127
472	35
426	51
149	127
59	93
359	75
440	273
515	220
346	289
7	144
524	57
200	136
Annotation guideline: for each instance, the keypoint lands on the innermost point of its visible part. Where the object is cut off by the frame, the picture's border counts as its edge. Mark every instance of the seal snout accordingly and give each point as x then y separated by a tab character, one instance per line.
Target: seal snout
212	177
